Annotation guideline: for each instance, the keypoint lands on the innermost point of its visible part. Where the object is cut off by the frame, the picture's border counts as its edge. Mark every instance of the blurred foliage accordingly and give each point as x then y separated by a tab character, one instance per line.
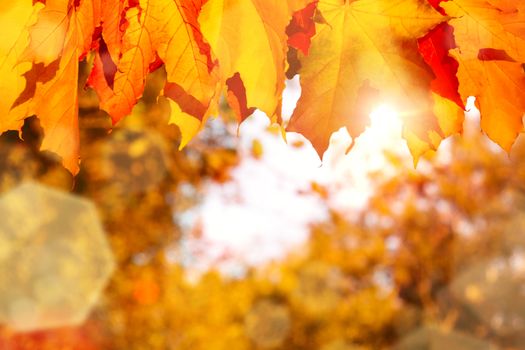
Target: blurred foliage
369	280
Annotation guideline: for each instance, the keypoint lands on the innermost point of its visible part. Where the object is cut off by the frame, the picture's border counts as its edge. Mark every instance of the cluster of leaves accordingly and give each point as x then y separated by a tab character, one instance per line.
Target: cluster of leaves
425	57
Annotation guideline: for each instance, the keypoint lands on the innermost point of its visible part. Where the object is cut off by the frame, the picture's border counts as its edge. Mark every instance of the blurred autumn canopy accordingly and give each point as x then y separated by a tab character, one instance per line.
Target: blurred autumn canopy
423	58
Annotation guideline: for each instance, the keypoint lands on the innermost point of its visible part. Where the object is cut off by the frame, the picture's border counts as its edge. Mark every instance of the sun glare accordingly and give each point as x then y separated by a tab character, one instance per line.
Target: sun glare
384	132
384	120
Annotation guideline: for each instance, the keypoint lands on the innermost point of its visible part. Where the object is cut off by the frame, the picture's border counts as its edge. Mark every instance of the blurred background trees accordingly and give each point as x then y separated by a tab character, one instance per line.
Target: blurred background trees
435	259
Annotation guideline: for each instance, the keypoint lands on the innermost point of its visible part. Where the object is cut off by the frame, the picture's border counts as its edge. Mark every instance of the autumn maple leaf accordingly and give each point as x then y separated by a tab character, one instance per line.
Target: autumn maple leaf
449	106
367	51
165	30
250	41
60	36
490	36
16	16
302	28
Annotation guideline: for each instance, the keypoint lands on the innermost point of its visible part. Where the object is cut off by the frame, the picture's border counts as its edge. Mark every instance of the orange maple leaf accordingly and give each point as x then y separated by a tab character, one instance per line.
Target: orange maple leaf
58	40
490	36
153	30
367	51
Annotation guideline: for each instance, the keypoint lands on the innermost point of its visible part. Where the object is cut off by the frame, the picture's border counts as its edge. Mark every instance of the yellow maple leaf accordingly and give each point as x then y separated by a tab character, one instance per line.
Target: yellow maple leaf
365	55
249	39
16	17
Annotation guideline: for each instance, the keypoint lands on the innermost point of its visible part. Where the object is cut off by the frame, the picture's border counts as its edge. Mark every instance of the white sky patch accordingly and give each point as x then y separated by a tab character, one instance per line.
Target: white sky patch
264	210
268	206
347	175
